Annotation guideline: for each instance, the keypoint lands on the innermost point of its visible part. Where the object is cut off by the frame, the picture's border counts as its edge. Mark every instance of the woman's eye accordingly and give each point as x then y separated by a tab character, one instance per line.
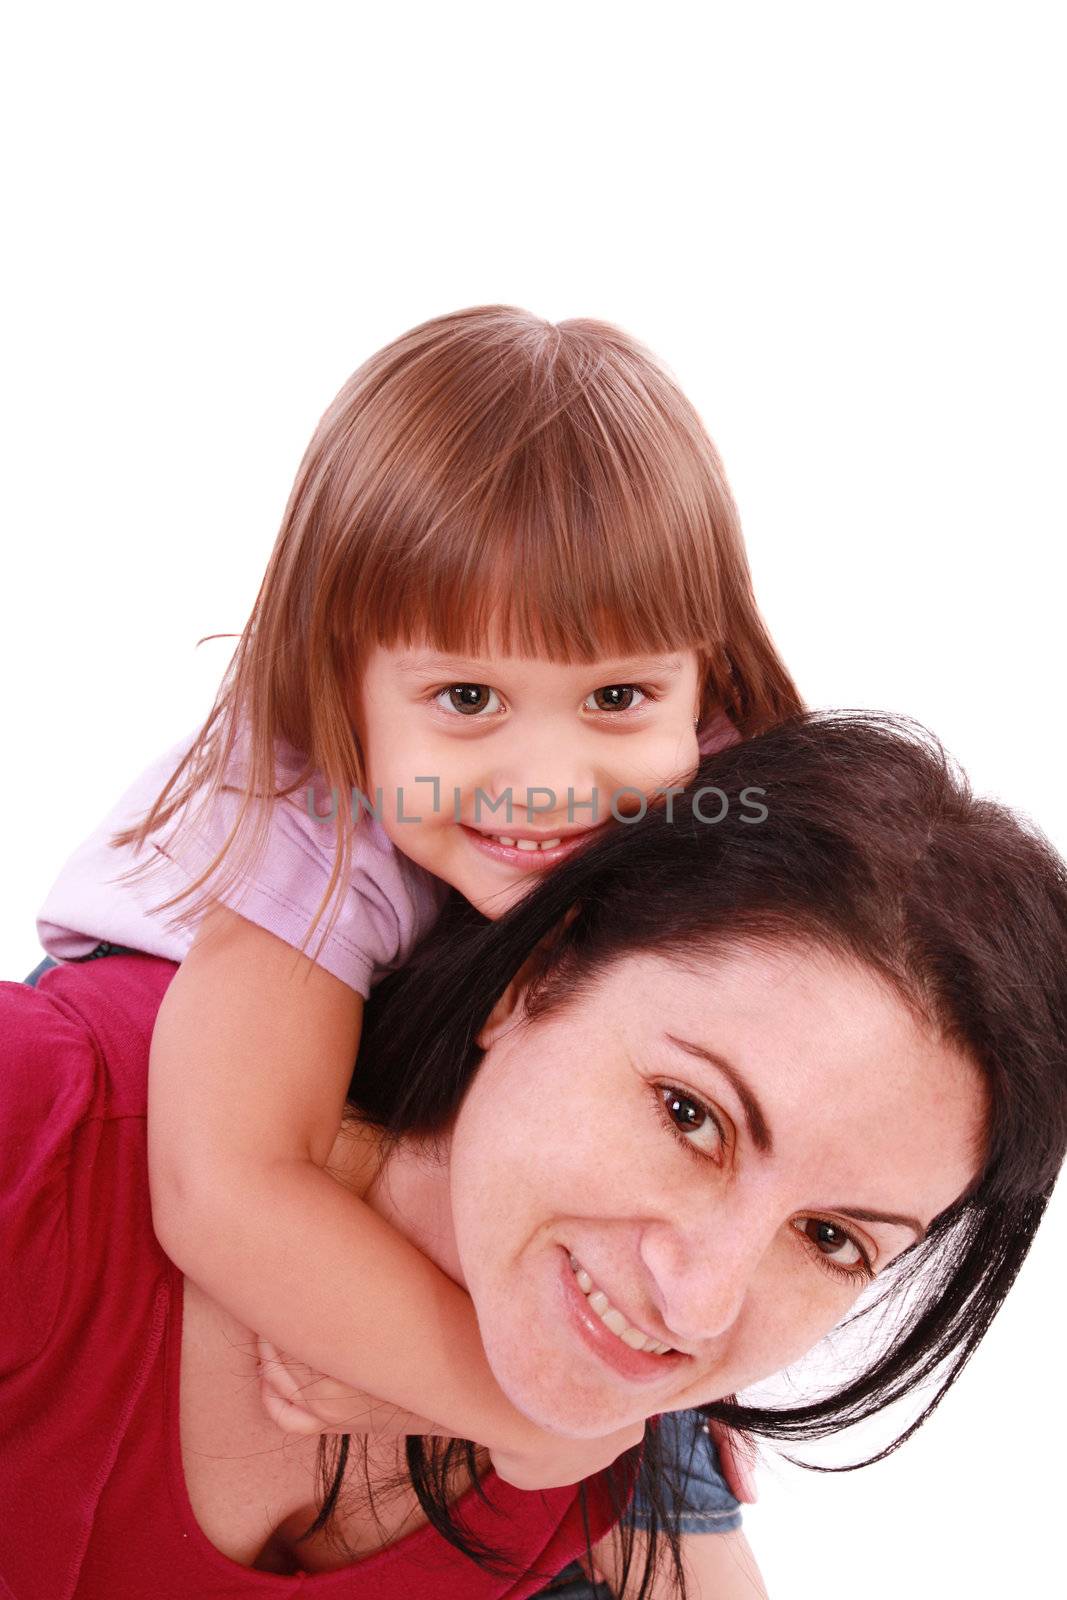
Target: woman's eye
833	1242
615	697
469	699
693	1121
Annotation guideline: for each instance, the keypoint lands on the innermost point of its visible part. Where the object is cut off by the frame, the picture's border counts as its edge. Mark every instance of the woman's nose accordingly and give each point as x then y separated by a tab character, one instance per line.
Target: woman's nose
700	1281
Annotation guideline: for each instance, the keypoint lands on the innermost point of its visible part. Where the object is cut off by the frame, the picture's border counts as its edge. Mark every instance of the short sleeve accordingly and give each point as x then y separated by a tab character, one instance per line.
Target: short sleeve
386	903
691	1467
48	1076
382	909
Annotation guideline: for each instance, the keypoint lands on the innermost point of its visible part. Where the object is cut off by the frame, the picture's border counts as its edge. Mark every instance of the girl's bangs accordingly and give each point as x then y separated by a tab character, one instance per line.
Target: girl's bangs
548	564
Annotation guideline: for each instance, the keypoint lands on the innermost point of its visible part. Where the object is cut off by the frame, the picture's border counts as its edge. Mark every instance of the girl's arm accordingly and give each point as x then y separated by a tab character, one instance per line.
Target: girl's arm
251	1060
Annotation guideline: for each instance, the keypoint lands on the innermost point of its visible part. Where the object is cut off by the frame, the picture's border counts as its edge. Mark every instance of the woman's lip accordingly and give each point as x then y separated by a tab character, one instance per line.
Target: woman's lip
528	860
638	1366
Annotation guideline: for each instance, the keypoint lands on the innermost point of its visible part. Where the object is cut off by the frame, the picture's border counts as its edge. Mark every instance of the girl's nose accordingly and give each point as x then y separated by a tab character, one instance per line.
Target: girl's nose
548	783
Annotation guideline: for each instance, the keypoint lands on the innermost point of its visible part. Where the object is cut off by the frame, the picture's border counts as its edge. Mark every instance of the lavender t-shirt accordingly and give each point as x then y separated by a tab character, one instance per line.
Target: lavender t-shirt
387	903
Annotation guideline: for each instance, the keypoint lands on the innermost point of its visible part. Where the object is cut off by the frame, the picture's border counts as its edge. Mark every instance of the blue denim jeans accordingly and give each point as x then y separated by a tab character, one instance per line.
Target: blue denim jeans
39	971
692	1461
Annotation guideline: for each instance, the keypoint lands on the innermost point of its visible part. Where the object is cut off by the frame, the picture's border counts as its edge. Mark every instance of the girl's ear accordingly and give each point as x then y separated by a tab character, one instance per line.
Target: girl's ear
510	1009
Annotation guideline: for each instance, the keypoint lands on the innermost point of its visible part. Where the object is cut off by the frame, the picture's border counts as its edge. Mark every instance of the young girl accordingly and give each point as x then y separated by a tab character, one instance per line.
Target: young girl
509	605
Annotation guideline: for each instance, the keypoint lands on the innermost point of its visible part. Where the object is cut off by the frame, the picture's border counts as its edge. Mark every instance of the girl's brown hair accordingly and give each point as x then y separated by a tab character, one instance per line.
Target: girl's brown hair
483	454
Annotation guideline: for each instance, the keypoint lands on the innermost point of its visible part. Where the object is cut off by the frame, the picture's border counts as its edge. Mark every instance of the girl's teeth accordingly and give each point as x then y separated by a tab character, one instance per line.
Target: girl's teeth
610	1317
526	844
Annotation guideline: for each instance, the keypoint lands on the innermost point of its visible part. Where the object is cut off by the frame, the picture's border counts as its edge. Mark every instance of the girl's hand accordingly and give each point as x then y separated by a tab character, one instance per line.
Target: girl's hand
300	1400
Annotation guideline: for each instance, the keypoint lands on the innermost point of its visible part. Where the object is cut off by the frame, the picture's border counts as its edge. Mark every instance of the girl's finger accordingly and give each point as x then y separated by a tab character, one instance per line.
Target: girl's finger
292	1394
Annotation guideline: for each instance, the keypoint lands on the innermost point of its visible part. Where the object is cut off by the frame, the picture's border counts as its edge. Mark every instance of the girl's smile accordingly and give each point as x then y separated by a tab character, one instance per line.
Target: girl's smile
522	850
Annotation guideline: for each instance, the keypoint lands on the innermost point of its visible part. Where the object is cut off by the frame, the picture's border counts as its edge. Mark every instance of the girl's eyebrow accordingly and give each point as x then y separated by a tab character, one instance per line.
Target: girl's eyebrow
415	666
760	1133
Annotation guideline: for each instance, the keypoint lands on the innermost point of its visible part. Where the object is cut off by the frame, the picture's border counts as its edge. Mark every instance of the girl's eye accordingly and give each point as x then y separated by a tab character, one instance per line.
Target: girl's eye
616	697
693	1121
840	1252
469	699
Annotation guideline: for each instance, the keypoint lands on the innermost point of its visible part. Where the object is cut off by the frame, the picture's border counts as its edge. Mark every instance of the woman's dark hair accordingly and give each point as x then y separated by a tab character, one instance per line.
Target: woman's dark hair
851	830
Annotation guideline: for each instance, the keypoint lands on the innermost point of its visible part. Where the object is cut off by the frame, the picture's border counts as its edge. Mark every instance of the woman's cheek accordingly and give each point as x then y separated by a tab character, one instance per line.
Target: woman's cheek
797	1304
546	1113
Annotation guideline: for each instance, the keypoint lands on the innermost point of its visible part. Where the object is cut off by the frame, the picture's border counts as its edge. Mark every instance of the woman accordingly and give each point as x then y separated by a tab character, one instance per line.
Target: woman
665	1122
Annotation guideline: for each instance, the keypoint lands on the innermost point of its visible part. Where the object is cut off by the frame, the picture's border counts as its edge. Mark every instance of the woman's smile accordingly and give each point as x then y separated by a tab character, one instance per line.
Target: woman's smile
612	1317
605	1338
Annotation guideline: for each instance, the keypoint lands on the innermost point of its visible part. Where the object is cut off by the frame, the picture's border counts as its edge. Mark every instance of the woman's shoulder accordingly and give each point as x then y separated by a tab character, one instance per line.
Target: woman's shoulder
76	1042
85	1029
73	1092
86	1288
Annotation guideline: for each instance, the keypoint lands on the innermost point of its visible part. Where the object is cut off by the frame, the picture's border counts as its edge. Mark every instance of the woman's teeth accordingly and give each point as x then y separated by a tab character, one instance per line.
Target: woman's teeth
526	844
611	1318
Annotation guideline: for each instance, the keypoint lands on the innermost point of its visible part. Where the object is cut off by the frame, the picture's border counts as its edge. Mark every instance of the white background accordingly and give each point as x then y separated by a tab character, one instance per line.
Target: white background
840	226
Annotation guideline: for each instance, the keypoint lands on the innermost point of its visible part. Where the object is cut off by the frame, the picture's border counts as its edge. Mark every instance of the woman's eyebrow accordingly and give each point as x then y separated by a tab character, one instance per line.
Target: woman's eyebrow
759	1132
860	1214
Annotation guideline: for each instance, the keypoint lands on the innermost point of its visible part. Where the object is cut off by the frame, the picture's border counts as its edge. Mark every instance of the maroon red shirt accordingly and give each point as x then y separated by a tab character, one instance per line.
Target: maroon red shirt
92	1495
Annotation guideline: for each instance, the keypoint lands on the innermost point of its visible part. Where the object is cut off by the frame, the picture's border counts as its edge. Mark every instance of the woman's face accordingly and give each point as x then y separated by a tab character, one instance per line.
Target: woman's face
712	1158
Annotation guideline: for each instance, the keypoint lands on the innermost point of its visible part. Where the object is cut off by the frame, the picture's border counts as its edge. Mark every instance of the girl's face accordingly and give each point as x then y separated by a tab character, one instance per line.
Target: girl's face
497	755
710	1160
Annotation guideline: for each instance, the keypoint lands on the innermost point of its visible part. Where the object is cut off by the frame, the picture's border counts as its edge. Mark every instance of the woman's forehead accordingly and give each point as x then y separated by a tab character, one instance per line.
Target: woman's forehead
816	1056
791	1010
